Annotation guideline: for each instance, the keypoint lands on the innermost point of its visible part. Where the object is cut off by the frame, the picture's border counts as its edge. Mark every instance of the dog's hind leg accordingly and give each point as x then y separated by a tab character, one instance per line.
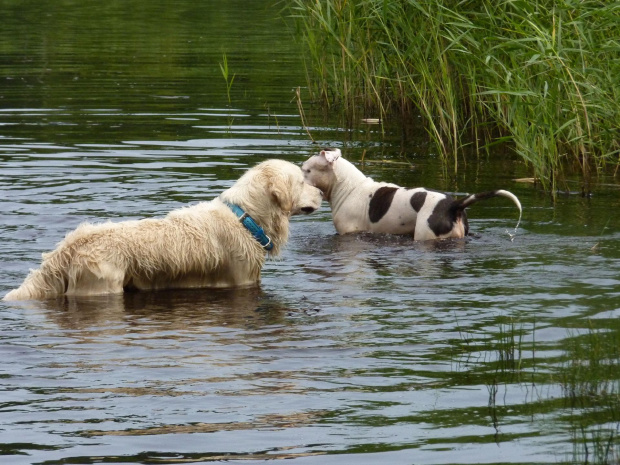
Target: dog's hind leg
104	279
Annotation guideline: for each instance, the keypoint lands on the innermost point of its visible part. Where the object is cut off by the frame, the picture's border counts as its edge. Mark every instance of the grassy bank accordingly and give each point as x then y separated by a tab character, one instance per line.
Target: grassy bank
542	76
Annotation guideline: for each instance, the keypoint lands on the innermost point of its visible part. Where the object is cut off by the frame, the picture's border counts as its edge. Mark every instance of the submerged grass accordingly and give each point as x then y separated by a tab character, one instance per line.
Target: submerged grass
541	75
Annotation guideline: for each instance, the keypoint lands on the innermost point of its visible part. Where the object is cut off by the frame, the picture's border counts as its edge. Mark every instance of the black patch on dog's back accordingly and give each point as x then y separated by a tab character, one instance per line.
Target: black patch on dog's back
380	203
417	200
443	217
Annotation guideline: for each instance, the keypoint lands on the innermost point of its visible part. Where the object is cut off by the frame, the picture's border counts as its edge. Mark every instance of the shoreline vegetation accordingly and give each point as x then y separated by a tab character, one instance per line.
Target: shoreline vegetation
541	76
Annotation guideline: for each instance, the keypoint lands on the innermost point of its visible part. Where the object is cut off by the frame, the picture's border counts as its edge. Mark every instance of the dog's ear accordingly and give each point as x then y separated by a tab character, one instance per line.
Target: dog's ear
281	192
331	155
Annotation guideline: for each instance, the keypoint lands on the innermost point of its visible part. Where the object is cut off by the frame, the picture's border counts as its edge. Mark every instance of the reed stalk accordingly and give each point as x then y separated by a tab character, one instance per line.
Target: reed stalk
226	75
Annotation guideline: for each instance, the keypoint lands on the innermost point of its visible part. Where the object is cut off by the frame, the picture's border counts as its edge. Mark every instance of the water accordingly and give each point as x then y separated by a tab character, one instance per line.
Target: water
355	349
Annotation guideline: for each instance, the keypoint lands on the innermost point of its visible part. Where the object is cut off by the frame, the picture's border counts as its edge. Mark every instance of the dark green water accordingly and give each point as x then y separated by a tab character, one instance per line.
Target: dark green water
355	349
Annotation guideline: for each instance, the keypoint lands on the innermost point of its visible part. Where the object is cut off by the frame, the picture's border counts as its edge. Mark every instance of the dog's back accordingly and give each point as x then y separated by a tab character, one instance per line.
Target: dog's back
360	204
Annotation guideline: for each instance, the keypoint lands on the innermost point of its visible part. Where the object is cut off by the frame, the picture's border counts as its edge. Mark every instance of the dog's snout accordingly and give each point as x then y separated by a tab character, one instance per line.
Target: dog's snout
307	210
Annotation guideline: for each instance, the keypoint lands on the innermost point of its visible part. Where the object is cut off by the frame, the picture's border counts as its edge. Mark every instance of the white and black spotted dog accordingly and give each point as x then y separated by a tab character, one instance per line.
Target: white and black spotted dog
360	204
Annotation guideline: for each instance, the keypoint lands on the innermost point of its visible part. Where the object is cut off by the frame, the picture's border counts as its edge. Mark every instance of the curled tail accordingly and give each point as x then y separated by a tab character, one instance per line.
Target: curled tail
462	204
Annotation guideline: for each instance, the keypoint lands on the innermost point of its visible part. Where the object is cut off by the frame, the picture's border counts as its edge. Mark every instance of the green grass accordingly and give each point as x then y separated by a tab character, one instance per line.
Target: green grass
542	76
226	75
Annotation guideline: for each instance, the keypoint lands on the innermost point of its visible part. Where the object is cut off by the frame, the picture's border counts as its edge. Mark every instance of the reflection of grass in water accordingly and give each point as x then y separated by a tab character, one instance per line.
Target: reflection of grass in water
510	347
590	380
588	376
595	445
504	351
508	350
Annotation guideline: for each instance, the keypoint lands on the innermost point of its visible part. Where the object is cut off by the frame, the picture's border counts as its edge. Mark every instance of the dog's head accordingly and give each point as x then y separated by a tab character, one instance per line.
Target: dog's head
270	193
318	170
274	187
286	187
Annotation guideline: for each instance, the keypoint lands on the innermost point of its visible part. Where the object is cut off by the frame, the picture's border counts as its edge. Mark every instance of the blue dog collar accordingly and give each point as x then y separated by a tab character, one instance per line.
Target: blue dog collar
249	223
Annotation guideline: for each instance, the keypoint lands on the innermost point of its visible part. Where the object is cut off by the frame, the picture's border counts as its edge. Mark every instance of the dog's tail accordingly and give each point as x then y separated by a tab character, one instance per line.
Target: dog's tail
45	282
462	204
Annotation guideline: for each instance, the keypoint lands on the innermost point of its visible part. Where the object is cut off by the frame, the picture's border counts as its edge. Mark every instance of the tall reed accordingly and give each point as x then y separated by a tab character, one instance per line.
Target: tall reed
541	75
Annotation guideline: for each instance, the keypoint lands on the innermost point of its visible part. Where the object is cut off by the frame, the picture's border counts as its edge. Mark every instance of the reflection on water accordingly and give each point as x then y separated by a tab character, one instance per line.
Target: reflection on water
354	348
182	310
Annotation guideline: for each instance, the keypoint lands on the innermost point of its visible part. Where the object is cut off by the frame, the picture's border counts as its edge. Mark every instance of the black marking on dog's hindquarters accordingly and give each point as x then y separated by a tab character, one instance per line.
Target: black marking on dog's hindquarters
445	215
380	203
417	201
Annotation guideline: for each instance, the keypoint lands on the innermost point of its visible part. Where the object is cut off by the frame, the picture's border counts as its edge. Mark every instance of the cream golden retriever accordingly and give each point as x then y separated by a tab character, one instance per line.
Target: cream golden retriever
205	245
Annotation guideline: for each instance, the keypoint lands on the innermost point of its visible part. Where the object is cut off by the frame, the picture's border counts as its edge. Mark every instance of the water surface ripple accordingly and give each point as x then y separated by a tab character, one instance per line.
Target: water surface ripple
354	349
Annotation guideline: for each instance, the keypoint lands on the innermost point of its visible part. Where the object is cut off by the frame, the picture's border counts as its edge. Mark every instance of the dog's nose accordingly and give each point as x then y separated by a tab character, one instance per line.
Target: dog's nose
307	209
